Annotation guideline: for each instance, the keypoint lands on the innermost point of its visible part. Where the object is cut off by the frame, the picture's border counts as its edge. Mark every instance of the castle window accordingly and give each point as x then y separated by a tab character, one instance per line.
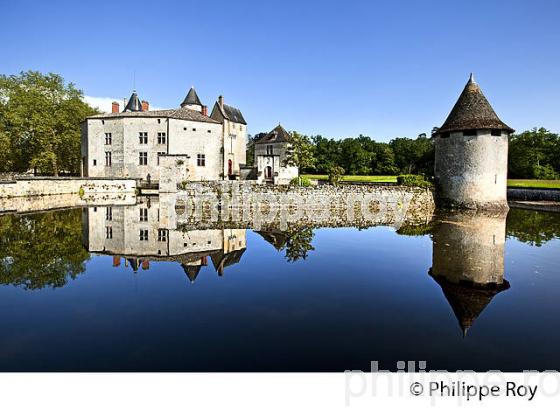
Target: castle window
184	128
109	232
209	131
158	121
161	138
162	235
143	214
269	150
159	154
496	133
201	160
143	137
94	162
109	214
444	135
108	138
194	129
143	158
143	234
469	133
108	160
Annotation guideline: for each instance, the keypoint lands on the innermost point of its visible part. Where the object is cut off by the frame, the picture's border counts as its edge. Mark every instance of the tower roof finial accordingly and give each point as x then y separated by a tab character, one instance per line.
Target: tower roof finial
471	79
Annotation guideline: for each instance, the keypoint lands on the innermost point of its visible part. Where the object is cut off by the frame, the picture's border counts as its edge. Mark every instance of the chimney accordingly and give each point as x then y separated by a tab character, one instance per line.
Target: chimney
115	107
205	110
116	259
145	105
221	101
145	264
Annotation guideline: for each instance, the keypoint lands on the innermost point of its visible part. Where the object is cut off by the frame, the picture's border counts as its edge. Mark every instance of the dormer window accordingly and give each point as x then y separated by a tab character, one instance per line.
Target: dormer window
469	133
496	133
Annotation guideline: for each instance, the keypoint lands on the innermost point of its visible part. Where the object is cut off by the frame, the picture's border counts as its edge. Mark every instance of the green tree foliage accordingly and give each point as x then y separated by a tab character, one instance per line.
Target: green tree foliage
42	250
533	227
250	151
534	154
301	153
335	175
299	244
40	118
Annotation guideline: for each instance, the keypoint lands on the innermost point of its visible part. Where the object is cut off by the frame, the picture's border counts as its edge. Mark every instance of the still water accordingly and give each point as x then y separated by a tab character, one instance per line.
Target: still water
105	289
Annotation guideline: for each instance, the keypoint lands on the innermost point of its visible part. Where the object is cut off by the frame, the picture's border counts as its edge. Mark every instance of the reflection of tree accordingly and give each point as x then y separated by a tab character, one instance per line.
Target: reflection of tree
533	227
416	230
42	250
298	244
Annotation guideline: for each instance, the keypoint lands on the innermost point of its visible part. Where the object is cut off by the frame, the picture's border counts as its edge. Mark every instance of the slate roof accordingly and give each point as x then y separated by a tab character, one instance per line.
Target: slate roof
191	98
468	300
177	113
472	111
134	103
231	113
278	134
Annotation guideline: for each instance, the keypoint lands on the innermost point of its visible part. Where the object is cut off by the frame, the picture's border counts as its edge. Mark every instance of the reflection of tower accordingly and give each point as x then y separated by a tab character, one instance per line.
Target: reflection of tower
468	262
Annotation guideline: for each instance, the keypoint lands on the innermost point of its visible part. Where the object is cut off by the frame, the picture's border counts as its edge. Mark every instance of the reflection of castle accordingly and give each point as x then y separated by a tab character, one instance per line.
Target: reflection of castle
142	233
468	262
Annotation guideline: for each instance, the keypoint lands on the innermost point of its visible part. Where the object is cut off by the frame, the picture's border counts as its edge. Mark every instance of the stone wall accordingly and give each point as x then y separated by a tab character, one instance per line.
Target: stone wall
533	194
42	186
250	204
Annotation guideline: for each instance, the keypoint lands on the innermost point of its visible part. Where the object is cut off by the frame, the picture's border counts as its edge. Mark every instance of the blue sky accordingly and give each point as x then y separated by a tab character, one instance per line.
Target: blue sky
380	68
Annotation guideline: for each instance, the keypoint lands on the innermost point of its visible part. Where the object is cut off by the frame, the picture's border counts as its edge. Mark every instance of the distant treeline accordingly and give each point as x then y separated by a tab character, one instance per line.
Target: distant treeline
532	154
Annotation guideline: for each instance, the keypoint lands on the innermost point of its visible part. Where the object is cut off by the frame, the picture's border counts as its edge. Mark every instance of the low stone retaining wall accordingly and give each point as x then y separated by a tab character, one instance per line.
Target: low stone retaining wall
41	186
256	205
533	194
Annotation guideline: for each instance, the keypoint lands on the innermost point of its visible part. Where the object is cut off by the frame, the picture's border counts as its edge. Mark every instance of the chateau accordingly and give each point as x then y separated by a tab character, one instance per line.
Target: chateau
132	143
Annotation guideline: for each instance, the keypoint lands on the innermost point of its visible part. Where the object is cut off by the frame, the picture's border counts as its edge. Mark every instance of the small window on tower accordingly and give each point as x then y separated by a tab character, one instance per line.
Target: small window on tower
444	135
469	133
496	133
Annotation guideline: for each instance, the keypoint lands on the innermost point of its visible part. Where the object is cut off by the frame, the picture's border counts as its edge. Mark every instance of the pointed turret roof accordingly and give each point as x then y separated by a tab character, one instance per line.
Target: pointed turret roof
468	300
472	111
191	98
134	103
278	134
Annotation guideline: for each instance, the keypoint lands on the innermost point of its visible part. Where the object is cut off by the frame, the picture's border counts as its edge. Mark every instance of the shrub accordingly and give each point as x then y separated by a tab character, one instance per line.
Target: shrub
81	192
544	172
335	174
300	181
413	180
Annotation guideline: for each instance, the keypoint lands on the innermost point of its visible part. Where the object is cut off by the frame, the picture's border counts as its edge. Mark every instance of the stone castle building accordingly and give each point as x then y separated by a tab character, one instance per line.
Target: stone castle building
133	143
148	231
471	151
271	157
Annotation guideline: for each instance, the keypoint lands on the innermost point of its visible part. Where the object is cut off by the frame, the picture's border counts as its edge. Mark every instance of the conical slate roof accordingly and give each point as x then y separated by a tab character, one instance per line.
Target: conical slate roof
472	111
468	300
191	98
134	103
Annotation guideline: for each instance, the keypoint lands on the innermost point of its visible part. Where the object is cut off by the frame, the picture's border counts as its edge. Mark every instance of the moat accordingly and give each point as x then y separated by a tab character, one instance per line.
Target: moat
106	288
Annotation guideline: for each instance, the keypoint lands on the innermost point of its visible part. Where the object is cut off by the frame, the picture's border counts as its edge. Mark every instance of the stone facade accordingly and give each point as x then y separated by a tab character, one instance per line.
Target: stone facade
131	144
471	171
271	153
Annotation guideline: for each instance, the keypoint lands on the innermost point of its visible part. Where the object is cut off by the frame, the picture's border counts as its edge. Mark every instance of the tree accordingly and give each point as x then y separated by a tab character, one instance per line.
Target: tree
534	154
413	156
335	175
250	151
300	153
42	250
40	115
299	244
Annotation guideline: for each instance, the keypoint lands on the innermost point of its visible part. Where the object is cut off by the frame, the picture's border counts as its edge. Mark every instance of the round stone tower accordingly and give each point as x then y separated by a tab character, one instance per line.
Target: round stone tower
471	151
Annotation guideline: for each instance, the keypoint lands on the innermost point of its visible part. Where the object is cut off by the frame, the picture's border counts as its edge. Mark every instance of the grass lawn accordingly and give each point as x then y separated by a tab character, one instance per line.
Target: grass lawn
534	183
359	178
519	183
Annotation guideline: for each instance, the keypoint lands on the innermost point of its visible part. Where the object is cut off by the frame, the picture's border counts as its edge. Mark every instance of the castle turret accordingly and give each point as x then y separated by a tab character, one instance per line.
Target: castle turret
192	101
471	150
134	103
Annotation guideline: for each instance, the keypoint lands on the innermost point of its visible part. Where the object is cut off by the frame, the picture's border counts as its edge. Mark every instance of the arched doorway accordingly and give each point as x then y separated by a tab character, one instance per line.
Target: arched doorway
268	172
